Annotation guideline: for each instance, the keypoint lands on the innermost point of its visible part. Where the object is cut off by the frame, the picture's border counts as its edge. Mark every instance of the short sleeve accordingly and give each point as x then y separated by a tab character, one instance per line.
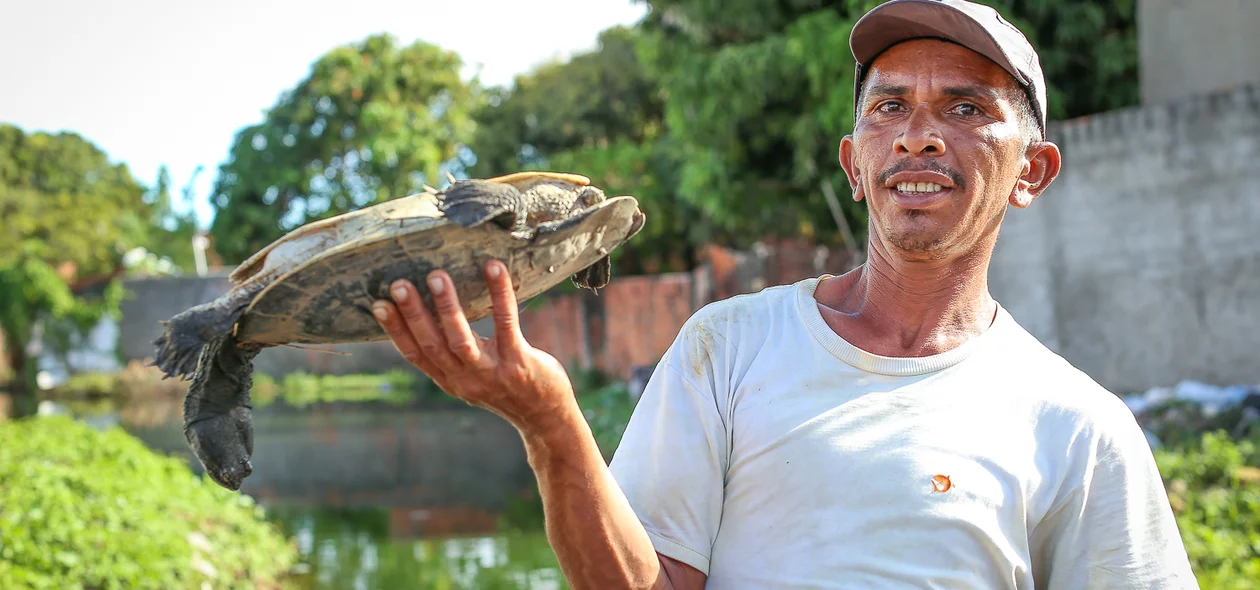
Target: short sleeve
671	464
1116	529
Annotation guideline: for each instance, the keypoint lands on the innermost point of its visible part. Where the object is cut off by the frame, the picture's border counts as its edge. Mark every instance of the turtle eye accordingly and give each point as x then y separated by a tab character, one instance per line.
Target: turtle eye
590	196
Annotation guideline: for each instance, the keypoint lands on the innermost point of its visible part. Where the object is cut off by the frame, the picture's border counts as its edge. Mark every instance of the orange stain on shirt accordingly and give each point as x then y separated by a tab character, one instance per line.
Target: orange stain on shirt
941	484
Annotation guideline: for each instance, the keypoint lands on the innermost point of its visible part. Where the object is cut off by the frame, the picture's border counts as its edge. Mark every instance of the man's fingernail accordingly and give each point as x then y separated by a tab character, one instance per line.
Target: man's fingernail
493	270
379	312
435	285
400	293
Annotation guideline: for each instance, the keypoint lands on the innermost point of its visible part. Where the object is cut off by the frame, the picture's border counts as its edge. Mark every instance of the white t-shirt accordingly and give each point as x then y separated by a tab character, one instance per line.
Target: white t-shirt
768	452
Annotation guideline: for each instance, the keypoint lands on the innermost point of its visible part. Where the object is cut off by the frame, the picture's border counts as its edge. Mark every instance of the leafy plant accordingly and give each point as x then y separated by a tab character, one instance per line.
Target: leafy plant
1213	485
81	508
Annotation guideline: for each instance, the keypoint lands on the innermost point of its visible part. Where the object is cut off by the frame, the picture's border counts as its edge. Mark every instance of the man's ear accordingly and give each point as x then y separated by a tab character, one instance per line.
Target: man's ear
848	161
1041	166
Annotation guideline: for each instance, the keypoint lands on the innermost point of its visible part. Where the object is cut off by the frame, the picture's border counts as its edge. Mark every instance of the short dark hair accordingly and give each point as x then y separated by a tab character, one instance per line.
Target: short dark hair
1029	122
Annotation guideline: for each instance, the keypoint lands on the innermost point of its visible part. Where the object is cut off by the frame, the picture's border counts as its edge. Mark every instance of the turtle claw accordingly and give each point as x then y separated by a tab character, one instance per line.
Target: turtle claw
594	277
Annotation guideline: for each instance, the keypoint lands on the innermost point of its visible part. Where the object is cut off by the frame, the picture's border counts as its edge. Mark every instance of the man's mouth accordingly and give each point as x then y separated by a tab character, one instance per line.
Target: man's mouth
915	188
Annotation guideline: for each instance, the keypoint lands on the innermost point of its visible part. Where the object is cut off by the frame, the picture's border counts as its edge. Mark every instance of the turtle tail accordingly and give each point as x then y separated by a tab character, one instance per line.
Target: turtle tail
184	335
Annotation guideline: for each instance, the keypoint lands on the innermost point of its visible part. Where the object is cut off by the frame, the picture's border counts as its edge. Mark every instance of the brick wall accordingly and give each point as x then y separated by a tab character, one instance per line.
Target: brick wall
632	321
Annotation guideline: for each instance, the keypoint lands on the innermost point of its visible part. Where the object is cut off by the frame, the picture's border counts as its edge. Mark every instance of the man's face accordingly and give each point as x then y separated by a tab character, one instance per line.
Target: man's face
938	150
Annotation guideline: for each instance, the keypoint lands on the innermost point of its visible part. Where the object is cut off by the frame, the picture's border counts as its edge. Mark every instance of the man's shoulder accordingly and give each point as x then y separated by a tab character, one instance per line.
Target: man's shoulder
1067	397
718	331
758	306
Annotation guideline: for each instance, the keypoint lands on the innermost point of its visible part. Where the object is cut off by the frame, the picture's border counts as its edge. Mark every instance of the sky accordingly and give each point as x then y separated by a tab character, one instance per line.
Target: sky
159	82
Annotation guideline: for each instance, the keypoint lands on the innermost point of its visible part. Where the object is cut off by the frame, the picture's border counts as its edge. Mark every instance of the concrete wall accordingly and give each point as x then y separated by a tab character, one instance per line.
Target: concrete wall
1141	263
1189	47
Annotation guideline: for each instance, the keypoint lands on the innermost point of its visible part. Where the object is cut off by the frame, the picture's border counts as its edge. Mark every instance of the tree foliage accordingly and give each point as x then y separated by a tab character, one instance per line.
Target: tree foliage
597	114
758	99
723	118
63	201
372	121
760	94
70	216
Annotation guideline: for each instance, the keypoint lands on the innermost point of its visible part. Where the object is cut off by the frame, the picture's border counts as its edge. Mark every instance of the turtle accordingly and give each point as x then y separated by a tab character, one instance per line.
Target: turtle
316	284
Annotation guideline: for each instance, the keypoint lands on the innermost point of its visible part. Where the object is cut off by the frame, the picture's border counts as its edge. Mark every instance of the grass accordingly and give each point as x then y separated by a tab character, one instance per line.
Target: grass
88	509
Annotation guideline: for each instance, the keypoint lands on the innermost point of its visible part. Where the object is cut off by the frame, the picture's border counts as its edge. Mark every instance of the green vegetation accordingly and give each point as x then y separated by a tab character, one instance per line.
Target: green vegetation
722	118
1213	485
607	409
1212	479
371	122
70	218
81	508
302	389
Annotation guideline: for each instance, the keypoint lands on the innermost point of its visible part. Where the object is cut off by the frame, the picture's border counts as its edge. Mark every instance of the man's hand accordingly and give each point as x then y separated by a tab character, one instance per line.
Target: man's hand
597	538
502	374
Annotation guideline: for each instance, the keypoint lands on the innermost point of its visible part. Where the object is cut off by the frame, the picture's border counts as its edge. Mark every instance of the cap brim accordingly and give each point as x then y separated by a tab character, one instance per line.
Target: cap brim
903	20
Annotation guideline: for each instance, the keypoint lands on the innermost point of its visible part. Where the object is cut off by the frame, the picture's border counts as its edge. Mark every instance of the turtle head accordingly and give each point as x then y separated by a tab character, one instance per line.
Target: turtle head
224	443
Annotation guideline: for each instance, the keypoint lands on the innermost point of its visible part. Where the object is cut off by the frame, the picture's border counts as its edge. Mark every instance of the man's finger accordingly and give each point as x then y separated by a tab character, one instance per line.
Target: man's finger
392	322
423	327
507	327
460	339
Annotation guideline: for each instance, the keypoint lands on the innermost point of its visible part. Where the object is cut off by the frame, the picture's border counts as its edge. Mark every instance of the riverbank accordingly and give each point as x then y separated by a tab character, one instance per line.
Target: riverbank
379	481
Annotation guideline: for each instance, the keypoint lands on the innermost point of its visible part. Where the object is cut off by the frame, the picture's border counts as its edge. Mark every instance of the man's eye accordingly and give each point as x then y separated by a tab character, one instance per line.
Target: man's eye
967	110
888	107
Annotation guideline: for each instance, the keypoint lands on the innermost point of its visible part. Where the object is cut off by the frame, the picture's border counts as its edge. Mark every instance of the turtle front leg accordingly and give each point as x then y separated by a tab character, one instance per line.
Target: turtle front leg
469	203
218	416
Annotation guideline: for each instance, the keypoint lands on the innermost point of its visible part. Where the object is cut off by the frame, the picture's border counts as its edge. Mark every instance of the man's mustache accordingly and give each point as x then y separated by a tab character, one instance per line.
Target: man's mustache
926	165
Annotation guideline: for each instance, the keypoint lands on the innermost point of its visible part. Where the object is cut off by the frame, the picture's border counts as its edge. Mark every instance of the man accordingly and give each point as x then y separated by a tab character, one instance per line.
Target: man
893	427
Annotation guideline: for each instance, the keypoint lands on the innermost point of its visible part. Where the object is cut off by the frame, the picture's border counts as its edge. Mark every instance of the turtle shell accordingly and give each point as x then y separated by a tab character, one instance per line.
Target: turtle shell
326	296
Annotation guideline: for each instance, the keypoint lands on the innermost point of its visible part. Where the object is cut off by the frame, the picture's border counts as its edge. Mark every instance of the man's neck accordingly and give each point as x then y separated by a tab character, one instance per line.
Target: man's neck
894	307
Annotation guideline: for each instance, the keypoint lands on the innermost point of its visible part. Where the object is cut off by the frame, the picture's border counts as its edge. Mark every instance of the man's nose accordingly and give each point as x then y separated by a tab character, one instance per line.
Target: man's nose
920	136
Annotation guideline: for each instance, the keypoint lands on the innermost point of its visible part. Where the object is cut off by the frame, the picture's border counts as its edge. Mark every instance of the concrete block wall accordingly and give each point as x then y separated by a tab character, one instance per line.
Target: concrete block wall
1141	263
1191	47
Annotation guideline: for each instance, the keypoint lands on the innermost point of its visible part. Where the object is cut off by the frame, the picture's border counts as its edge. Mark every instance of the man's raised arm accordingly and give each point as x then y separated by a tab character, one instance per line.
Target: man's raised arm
597	537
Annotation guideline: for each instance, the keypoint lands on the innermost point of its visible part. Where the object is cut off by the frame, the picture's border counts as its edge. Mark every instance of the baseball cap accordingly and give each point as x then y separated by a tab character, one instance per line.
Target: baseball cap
975	26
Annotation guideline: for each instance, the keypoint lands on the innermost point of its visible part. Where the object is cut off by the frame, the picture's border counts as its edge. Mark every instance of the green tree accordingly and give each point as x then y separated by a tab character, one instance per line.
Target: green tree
371	121
597	114
759	94
69	217
169	234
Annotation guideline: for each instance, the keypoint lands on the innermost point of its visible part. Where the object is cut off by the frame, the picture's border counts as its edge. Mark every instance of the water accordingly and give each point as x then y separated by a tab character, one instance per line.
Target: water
353	549
379	495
